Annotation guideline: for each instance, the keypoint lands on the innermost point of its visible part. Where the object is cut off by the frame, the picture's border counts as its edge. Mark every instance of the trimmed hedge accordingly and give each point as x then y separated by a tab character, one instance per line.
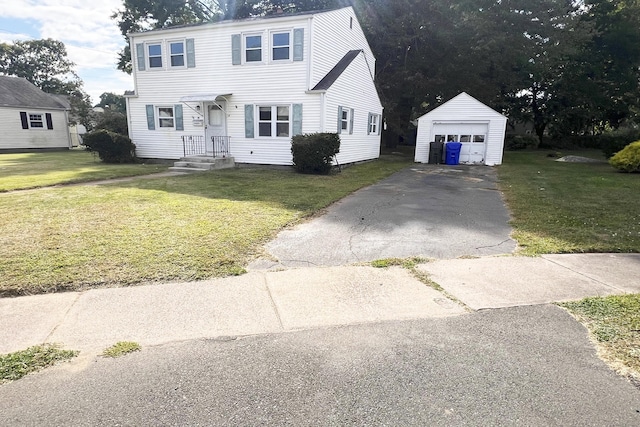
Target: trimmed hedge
627	159
313	152
110	146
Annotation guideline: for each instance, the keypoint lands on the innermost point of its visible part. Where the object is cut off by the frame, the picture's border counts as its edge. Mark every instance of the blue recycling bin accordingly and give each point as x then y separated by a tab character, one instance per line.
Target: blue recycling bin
452	150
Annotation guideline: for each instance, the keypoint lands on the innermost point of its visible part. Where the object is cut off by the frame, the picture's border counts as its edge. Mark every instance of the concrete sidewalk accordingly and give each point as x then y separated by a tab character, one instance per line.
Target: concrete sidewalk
271	302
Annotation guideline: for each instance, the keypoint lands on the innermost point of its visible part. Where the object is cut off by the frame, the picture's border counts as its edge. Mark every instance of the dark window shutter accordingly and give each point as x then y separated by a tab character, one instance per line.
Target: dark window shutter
177	109
25	121
236	49
297	120
191	53
151	121
339	119
298	44
140	56
248	121
49	121
369	123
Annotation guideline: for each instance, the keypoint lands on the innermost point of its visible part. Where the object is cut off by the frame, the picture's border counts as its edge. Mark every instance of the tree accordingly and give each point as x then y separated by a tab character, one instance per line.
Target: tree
113	101
45	64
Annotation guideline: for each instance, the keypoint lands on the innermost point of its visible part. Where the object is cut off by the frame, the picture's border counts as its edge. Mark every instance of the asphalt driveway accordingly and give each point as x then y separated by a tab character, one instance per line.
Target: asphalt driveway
434	211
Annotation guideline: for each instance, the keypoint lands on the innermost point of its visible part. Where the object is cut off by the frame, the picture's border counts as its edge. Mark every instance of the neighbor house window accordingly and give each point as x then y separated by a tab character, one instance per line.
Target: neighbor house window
166	117
155	55
281	46
274	121
176	50
253	48
374	123
35	121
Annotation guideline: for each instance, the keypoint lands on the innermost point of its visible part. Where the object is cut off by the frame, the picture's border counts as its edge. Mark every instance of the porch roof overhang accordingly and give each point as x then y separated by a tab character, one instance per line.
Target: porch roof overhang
204	97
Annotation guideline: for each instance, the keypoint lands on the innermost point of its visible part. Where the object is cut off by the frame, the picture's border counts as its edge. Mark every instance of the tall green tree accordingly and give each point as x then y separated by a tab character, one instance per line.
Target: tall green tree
113	101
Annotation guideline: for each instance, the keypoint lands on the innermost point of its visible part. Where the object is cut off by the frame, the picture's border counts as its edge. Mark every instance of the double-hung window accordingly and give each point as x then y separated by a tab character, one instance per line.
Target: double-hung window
274	121
374	124
176	50
36	121
281	46
253	48
166	117
154	53
345	120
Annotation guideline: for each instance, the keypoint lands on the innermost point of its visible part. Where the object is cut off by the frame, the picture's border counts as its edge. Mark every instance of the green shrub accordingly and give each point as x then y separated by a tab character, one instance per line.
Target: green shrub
313	153
111	147
612	142
627	159
112	121
520	142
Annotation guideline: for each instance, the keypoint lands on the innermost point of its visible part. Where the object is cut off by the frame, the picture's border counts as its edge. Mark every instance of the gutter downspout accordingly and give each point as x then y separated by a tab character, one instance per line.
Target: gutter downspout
66	119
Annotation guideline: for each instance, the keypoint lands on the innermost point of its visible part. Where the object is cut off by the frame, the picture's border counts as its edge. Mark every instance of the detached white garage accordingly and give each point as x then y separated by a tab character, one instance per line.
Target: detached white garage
463	119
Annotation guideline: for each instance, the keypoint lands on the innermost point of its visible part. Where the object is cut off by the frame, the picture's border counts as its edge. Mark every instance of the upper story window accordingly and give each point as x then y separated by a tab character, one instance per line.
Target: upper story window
274	121
253	48
166	117
177	53
154	52
281	46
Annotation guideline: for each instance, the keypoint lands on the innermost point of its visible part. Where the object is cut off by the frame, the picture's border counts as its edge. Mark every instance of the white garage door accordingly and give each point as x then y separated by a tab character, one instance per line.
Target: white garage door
473	137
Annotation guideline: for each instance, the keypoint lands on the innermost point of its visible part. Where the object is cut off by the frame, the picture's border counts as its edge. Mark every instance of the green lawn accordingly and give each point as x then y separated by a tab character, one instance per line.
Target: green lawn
172	228
31	170
562	207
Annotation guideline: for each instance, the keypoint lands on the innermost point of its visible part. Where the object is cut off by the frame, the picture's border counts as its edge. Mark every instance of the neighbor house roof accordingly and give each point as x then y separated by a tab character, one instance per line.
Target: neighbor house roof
18	92
330	78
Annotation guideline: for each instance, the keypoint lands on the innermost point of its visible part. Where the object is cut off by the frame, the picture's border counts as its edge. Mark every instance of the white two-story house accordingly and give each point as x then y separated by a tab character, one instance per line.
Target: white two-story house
243	88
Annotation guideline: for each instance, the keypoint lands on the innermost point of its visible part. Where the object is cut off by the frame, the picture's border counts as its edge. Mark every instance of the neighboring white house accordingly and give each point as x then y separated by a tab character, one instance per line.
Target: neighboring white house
31	118
463	119
244	87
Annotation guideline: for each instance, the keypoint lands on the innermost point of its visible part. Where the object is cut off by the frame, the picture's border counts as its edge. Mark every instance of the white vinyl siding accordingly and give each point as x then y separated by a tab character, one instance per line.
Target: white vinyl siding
464	117
14	136
271	83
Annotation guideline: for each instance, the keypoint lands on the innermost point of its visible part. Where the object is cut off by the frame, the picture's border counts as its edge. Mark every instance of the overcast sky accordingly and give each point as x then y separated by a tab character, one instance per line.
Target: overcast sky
92	38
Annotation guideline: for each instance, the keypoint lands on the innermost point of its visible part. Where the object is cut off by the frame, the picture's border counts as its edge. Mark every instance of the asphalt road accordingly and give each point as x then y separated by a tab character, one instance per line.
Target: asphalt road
434	211
518	366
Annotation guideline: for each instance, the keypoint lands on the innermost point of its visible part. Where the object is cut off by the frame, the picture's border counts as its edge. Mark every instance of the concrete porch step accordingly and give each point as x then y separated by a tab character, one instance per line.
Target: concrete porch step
202	164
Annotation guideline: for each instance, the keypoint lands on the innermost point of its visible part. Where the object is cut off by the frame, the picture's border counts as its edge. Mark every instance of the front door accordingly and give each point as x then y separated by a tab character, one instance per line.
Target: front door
215	125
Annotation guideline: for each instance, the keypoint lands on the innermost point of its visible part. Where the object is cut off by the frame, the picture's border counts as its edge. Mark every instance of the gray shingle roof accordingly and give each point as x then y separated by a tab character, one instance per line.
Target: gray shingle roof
336	71
18	92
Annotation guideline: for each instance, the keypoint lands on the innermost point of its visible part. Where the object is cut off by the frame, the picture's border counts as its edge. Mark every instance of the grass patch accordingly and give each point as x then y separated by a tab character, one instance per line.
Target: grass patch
408	263
121	348
14	366
186	227
32	170
560	207
614	323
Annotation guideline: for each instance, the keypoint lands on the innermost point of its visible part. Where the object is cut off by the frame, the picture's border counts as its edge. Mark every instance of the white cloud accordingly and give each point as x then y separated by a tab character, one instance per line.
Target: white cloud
92	38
